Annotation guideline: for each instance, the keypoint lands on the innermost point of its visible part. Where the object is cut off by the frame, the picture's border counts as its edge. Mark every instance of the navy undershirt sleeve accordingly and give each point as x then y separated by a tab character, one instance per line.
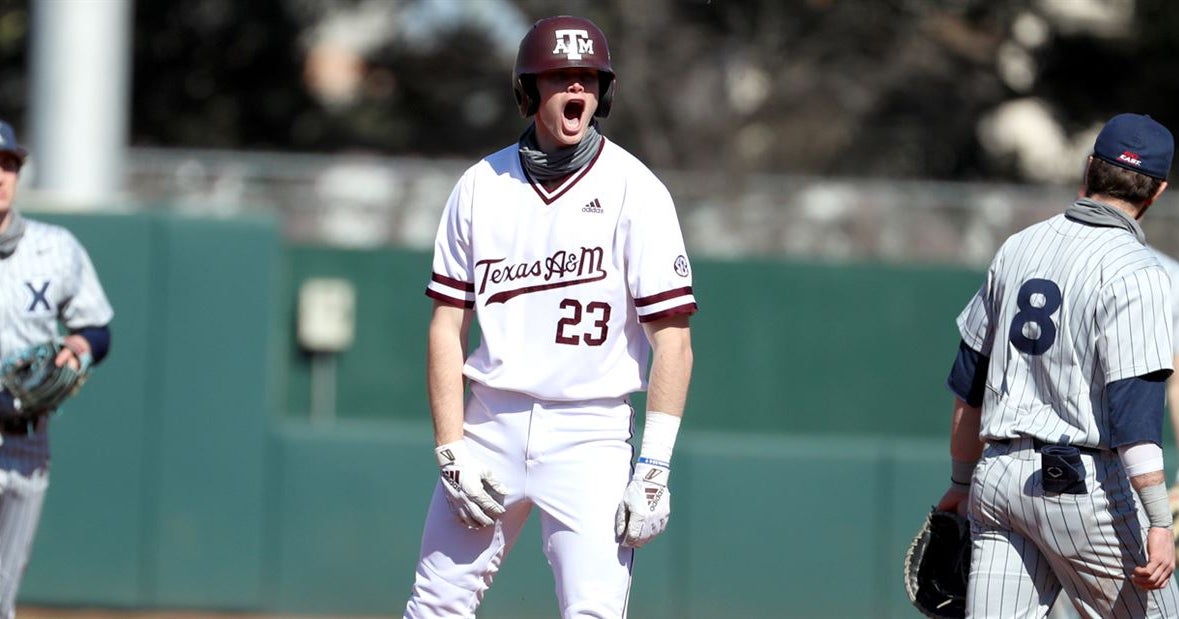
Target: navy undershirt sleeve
7	405
99	339
1136	409
968	377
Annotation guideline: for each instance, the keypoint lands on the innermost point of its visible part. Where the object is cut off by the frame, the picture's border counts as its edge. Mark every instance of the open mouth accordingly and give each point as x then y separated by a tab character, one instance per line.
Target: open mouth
573	109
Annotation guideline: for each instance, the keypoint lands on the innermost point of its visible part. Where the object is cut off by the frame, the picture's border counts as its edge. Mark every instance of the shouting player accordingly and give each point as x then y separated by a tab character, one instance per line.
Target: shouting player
1059	385
46	281
567	252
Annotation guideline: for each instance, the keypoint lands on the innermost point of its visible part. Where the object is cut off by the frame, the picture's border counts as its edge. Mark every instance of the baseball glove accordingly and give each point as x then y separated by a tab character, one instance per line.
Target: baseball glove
937	565
38	385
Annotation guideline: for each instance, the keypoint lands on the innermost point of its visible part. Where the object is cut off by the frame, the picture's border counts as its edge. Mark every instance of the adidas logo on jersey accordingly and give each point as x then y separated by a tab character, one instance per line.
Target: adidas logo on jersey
592	207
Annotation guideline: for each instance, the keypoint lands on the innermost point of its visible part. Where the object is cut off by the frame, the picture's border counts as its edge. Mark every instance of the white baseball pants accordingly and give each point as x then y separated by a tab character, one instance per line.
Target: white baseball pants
570	459
21	499
1029	546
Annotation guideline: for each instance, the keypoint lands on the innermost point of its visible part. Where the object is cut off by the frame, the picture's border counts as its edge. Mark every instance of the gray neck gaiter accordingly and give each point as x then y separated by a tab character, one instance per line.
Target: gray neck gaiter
1096	213
11	234
549	166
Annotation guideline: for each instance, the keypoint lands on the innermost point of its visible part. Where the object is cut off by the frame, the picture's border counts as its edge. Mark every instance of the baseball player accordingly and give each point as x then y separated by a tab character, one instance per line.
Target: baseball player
1059	385
46	283
567	252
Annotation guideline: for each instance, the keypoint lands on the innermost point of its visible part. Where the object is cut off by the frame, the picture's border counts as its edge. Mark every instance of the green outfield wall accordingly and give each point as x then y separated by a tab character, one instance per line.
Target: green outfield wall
188	474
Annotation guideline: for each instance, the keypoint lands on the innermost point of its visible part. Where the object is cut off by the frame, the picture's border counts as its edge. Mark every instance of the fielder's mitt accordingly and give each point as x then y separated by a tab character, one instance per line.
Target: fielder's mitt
937	566
36	383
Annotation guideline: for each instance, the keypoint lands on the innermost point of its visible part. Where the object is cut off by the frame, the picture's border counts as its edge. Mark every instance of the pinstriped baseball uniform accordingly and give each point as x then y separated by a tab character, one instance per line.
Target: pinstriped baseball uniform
48	282
560	280
1066	308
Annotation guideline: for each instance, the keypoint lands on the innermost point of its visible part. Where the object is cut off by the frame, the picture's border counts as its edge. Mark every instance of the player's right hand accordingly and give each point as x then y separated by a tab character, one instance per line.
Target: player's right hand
468	485
954	500
1160	560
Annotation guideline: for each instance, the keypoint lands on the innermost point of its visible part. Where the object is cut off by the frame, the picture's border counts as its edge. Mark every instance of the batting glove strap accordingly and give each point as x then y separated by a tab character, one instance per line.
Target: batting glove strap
651	471
469	486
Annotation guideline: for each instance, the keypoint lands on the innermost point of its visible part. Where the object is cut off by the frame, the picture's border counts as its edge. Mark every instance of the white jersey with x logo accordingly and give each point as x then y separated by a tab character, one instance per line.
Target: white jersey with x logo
48	280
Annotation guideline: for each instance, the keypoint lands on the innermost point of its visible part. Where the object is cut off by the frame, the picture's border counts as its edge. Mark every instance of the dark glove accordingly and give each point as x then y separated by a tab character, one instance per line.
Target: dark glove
937	566
36	384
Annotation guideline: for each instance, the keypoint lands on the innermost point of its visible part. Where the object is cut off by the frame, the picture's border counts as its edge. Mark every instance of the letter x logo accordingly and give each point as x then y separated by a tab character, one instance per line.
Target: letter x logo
38	296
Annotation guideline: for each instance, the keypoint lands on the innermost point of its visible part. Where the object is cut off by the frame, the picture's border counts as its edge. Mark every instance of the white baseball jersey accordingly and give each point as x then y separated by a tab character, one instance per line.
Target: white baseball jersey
560	279
1066	308
49	278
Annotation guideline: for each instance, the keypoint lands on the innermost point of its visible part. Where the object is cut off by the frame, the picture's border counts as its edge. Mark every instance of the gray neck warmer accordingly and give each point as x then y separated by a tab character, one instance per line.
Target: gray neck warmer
549	166
1096	213
11	234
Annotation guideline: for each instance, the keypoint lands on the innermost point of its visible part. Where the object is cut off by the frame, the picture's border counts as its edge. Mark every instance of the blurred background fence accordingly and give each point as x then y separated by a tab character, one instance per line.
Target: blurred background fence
376	202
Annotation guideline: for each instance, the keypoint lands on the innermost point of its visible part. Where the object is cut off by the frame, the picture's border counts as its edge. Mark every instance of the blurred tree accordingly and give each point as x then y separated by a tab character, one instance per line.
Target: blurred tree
856	87
217	74
848	88
452	99
14	87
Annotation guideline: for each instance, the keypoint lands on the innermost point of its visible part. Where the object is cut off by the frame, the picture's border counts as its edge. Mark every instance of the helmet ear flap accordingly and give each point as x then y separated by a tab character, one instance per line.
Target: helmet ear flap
527	97
605	94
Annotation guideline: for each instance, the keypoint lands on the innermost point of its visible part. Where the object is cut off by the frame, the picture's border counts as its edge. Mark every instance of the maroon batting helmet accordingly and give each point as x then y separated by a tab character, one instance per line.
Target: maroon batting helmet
562	42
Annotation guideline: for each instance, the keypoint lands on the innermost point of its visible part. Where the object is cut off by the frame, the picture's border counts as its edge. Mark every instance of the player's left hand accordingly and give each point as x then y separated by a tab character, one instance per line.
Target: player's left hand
1160	560
646	505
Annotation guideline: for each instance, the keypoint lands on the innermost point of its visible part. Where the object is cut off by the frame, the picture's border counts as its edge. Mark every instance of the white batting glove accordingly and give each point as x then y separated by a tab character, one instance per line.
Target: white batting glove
468	483
646	504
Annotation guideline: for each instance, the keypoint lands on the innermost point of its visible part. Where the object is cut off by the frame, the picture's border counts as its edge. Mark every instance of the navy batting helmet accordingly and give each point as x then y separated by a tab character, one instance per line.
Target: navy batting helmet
562	42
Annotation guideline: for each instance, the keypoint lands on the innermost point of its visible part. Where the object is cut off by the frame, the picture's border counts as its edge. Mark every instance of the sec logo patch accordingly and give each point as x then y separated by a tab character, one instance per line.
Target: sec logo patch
681	266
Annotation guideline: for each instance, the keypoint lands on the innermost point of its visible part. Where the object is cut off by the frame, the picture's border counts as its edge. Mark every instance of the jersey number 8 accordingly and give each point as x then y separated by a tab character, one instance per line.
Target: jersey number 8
1035	318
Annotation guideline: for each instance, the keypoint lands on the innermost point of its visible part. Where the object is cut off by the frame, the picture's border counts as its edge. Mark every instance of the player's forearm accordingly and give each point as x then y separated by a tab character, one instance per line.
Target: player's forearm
671	366
1144	480
1152	493
1143	463
965	445
444	374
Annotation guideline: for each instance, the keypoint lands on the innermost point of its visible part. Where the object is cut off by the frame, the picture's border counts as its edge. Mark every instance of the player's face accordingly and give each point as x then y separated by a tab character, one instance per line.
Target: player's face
9	172
568	100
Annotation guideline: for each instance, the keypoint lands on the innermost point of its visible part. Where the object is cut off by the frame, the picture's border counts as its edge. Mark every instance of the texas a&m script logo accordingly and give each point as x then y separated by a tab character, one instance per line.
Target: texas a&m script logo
573	43
562	269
